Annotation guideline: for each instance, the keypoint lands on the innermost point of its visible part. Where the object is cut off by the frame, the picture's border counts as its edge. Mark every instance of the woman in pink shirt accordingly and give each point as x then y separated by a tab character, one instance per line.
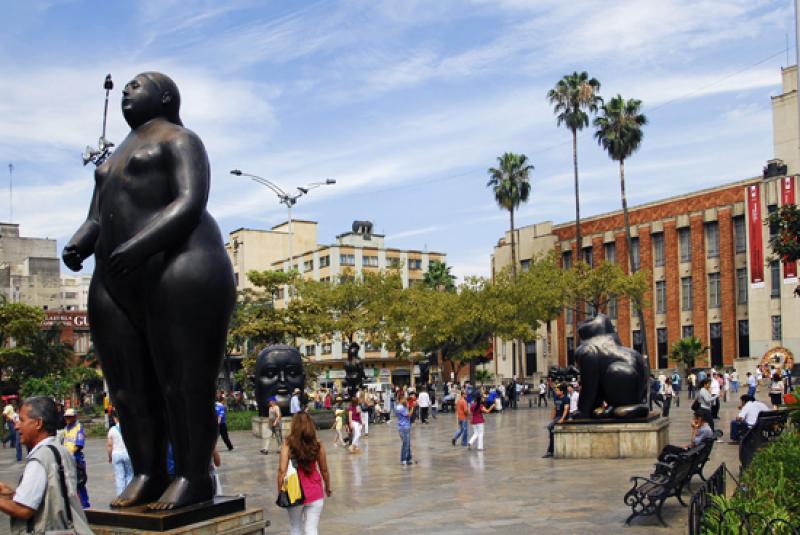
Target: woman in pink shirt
308	455
478	410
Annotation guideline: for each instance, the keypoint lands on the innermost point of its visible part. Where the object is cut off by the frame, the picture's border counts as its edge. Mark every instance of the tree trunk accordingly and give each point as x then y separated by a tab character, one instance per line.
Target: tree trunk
642	325
518	343
578	236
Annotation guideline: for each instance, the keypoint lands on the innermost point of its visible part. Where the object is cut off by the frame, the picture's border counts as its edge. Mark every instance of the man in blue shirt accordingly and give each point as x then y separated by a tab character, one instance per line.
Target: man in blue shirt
404	428
222	422
560	414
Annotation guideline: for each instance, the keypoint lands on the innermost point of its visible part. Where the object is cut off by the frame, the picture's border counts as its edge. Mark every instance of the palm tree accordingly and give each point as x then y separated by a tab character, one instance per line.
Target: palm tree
512	187
572	97
687	350
438	277
619	131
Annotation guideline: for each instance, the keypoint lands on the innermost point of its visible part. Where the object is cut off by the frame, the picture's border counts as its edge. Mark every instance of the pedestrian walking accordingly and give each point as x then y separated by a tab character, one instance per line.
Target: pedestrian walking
776	390
715	388
222	421
355	418
691	383
274	422
477	409
735	381
574	396
303	449
424	402
118	456
705	401
676	388
45	501
668	393
74	441
462	415
11	418
542	394
403	428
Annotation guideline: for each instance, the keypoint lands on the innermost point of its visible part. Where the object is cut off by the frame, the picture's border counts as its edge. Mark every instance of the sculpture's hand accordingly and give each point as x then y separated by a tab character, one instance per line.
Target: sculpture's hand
123	260
72	258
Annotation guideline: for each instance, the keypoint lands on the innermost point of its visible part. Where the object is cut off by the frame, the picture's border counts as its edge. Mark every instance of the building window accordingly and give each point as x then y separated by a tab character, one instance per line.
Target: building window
658	250
347	259
661	297
687	331
393	262
570	350
311	350
612	308
775	279
588	309
637	340
370	261
744	338
773	228
587	255
739	234
741	286
776	328
712	240
566	260
610	252
661	348
635	250
635	308
327	348
530	357
713	290
525	265
686	293
414	263
308	265
568	312
324	261
685	244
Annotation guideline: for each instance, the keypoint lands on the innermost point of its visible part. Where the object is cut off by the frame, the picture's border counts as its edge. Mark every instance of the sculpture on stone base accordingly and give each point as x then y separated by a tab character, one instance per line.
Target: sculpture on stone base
279	371
354	370
161	295
613	377
425	370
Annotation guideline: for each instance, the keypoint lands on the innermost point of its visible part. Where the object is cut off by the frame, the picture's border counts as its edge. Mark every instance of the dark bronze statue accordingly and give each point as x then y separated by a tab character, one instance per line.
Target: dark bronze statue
279	370
161	295
611	374
563	375
354	370
424	370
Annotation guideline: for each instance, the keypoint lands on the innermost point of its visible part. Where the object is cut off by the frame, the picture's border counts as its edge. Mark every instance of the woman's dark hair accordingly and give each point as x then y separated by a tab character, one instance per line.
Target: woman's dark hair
478	398
44	409
303	443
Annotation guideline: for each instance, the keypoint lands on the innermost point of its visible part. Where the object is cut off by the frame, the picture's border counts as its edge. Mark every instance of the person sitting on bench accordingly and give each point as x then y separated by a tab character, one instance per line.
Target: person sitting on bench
748	415
700	432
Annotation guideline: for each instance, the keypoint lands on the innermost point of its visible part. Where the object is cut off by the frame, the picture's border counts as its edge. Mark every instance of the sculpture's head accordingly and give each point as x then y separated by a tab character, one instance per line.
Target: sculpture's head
279	371
596	326
352	350
150	95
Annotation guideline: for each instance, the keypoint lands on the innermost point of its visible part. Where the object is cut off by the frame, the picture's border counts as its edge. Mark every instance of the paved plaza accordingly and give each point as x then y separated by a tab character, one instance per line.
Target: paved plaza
508	488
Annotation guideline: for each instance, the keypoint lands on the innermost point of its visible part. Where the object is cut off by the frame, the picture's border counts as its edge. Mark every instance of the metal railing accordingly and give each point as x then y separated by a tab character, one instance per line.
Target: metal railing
701	500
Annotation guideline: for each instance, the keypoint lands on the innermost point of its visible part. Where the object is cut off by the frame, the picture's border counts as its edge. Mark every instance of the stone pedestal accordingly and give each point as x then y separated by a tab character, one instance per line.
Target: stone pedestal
614	440
260	427
249	522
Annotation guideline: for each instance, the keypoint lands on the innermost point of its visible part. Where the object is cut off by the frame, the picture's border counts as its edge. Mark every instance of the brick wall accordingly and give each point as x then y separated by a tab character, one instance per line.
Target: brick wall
699	283
727	268
673	282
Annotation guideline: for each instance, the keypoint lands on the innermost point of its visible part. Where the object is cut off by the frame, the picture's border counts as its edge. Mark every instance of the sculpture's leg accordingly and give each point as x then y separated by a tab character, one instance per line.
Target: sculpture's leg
187	327
128	370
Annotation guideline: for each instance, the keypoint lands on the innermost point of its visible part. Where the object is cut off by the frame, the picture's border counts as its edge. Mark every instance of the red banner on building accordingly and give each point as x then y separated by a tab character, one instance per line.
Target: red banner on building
787	197
755	231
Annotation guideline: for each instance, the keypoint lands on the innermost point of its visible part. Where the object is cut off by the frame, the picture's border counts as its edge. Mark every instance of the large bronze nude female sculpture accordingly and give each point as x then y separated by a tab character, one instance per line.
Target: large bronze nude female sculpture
161	295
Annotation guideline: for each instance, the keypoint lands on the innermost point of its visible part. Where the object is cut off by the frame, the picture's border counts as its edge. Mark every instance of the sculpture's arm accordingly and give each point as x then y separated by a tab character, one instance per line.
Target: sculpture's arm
589	362
188	176
82	243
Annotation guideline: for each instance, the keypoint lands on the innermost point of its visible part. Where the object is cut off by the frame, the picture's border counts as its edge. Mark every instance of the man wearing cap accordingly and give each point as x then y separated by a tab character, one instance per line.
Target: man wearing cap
294	403
74	440
274	418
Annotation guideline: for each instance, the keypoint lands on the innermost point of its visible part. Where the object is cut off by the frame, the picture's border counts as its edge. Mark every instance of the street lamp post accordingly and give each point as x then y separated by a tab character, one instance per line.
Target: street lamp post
286	199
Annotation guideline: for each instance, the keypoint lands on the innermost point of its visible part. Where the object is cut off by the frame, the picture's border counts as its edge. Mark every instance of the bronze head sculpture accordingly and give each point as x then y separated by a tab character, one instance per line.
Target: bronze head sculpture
279	371
161	295
610	373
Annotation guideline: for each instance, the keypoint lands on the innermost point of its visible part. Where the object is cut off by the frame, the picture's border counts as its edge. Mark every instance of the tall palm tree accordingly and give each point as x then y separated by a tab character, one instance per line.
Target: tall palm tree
511	185
574	97
438	277
619	131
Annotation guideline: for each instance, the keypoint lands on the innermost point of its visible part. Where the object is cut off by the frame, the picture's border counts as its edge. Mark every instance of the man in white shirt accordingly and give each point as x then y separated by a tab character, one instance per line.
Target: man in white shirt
751	385
715	389
573	402
294	402
748	415
424	402
735	381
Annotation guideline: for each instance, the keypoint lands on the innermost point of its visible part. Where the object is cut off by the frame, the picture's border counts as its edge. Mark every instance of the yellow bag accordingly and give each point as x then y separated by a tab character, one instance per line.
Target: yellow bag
291	492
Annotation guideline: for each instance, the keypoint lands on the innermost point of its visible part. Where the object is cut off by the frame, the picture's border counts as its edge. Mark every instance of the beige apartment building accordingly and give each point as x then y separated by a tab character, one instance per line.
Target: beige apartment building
355	252
713	275
29	269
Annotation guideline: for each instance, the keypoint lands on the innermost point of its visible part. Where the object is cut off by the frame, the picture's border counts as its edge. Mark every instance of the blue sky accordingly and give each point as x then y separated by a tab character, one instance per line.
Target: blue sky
405	103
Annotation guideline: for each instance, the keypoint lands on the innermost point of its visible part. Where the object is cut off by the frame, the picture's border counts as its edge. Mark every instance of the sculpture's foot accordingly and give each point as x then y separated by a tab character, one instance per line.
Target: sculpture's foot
603	412
631	411
141	489
182	492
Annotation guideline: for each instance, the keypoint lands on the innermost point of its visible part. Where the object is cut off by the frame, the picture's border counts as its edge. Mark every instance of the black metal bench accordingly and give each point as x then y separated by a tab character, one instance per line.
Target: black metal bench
768	427
648	495
703	456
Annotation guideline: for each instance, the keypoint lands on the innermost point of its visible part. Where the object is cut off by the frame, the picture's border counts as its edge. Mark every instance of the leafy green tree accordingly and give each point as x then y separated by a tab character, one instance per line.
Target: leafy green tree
573	98
511	185
439	277
483	376
619	132
597	286
687	350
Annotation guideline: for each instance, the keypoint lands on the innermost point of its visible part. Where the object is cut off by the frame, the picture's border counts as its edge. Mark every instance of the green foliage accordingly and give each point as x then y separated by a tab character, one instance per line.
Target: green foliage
601	284
240	420
438	277
794	408
483	376
619	127
58	385
687	350
572	97
785	243
510	181
770	489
